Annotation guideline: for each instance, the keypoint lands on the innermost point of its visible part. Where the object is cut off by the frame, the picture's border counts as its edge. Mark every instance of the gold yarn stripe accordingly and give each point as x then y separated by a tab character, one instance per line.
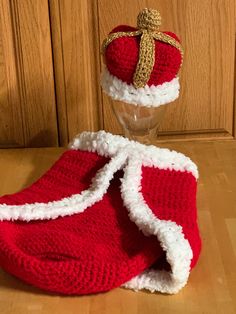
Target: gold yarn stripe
113	36
146	60
146	53
169	40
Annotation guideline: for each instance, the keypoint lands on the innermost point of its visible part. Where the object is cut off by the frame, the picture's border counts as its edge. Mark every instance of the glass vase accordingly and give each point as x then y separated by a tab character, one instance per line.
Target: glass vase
139	123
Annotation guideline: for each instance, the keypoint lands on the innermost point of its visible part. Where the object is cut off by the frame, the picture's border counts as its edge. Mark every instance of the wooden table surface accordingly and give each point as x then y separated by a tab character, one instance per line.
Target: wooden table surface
212	284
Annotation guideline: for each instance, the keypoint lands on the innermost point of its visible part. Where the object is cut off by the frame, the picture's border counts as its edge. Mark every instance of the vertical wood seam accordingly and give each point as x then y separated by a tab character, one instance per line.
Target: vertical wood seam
234	94
53	72
32	95
99	64
59	78
63	70
19	61
90	41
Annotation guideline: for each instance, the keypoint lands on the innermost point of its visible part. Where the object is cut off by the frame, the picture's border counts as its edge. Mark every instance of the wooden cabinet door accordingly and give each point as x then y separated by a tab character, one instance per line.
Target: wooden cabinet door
27	101
50	64
76	51
205	107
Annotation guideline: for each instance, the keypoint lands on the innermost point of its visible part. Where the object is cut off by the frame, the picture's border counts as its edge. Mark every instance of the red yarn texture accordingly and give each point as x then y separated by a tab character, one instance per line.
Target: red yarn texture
171	195
122	54
90	252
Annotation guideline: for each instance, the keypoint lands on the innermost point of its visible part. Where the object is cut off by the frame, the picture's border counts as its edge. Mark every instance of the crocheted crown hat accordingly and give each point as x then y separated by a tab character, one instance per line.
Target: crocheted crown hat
141	64
109	212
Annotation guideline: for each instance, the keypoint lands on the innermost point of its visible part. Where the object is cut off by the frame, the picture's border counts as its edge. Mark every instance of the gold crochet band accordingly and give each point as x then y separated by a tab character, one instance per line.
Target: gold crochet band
148	22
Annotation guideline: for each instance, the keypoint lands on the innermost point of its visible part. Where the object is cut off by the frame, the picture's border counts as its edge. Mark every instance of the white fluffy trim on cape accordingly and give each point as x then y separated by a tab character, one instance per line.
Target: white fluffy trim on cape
129	156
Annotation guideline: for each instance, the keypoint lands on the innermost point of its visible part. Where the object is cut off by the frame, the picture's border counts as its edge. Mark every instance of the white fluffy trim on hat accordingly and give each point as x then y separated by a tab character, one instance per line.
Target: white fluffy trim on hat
149	96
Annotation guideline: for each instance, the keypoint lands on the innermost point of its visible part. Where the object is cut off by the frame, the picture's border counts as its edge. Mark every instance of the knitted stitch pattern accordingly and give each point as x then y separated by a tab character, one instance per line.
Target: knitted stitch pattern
94	251
175	194
110	212
121	58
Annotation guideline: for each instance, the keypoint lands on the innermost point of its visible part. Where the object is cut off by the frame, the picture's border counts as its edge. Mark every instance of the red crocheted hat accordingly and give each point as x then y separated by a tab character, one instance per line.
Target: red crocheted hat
109	212
142	63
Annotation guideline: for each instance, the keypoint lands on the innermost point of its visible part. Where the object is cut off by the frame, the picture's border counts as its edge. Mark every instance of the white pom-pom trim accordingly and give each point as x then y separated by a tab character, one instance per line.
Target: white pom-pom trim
119	149
108	145
129	156
149	96
169	234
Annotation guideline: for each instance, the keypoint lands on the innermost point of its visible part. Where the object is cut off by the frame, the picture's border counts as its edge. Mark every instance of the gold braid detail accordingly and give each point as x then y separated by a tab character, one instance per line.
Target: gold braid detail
146	60
113	36
169	40
148	22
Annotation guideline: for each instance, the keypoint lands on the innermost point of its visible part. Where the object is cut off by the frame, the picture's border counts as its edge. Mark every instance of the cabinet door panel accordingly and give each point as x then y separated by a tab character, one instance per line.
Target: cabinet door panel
11	129
76	61
28	110
205	107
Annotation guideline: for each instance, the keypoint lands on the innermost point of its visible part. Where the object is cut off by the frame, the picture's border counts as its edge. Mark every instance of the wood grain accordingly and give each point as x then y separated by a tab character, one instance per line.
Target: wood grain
207	30
59	71
35	71
212	285
11	128
52	48
76	60
27	103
